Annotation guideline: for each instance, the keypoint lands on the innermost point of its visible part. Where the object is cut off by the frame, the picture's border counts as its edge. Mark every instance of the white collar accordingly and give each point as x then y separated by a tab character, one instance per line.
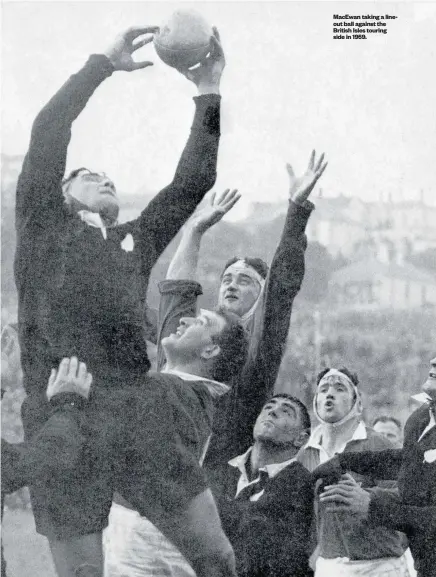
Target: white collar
272	469
215	388
315	438
425	398
93	219
421	397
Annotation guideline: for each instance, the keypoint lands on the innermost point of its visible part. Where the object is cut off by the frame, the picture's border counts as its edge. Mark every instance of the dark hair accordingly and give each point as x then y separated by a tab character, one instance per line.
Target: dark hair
304	413
352	376
233	343
73	174
387	419
258	264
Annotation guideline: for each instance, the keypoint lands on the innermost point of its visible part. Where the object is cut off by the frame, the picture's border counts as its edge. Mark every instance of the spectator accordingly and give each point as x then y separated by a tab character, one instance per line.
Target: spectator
267	515
413	510
389	427
346	545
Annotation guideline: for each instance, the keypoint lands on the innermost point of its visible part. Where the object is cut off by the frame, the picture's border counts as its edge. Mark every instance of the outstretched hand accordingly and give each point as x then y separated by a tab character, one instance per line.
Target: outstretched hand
120	52
301	187
71	377
213	212
207	75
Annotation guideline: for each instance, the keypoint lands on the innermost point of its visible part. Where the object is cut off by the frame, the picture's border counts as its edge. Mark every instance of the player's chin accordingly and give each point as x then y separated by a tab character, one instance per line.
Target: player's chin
430	387
170	340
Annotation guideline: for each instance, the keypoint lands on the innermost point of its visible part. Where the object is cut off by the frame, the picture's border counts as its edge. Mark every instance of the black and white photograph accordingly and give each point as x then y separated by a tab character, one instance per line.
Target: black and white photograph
218	284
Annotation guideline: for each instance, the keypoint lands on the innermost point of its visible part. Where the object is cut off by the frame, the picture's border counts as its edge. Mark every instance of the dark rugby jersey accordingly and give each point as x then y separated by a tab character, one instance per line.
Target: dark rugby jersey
236	412
80	294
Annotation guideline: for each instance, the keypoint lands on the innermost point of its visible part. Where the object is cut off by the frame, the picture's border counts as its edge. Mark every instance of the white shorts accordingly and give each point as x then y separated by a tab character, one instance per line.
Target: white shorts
343	567
133	547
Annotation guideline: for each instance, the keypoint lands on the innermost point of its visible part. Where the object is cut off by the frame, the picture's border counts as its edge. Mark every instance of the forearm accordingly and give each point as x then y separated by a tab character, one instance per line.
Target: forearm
183	265
382	465
198	534
386	509
39	184
53	123
282	285
194	177
56	448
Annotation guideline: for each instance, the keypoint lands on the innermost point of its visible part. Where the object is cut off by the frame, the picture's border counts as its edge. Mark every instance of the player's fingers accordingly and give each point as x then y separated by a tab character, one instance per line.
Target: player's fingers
320	161
212	198
334	499
64	367
320	172
312	159
141	43
290	170
222	197
347	477
134	31
52	377
81	371
72	371
216	33
338	490
141	65
217	49
230	194
232	203
88	384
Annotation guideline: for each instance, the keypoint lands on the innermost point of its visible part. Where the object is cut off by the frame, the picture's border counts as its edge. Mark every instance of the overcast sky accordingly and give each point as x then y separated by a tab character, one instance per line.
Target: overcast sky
288	87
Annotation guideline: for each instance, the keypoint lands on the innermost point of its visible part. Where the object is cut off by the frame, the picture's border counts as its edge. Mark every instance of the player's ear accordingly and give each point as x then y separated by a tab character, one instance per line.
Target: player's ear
210	351
301	439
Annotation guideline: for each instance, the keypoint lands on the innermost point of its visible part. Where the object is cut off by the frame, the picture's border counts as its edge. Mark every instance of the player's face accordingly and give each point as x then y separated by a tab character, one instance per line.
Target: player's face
389	430
238	292
194	336
430	384
278	422
97	192
334	400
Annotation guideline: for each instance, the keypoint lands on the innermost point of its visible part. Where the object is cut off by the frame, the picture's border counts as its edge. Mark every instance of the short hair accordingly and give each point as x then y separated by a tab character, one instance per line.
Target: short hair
387	419
352	376
73	174
233	343
304	413
258	264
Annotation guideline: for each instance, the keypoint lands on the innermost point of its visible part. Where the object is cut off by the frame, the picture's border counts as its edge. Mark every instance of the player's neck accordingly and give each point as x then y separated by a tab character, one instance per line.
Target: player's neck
335	437
268	454
193	367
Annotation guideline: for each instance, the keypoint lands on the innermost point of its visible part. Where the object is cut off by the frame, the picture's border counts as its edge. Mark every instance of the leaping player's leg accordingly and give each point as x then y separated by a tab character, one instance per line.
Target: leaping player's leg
71	508
79	556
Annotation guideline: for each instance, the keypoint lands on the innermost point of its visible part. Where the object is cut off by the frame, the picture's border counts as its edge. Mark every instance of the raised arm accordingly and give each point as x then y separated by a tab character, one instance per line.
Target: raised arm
39	192
196	171
183	265
283	283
